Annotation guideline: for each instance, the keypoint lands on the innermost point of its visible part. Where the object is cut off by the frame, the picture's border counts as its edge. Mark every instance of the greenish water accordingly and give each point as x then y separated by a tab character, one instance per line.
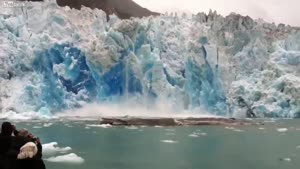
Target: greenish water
216	147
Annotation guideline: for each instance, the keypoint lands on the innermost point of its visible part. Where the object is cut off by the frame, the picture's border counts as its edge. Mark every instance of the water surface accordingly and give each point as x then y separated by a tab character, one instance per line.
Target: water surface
272	146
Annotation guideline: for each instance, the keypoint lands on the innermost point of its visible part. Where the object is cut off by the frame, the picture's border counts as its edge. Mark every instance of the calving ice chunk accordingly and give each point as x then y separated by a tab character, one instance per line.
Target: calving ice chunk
55	59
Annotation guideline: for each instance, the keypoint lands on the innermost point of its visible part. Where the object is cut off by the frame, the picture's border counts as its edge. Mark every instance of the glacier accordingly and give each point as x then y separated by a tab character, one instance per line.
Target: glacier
54	59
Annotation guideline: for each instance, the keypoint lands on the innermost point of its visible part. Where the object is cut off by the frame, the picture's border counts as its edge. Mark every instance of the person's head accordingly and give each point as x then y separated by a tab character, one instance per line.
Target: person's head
7	129
23	133
30	135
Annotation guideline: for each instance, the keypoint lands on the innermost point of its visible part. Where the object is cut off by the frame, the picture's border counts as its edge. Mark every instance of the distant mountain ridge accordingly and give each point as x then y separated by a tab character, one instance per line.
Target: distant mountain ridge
124	9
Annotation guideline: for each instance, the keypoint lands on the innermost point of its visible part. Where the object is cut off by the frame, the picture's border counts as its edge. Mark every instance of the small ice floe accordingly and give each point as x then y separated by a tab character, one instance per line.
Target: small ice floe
158	126
99	125
37	127
52	149
87	128
285	159
68	125
194	135
169	141
298	147
131	127
203	134
238	130
230	128
68	158
282	130
47	124
261	128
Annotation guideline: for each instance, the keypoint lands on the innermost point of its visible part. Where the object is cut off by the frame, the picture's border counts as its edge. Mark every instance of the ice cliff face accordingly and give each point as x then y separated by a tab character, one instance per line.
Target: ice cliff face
54	59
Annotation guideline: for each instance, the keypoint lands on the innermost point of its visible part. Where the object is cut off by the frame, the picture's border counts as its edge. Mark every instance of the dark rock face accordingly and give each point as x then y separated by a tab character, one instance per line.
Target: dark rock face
124	9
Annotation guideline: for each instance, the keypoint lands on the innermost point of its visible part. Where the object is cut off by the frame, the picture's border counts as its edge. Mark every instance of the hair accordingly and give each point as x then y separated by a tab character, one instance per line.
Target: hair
7	129
23	133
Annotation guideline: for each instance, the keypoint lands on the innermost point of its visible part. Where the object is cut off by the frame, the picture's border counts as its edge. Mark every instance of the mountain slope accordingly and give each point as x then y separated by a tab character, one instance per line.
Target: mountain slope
124	9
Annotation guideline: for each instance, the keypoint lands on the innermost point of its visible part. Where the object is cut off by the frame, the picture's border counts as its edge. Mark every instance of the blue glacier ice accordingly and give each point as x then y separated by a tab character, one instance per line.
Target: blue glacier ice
55	59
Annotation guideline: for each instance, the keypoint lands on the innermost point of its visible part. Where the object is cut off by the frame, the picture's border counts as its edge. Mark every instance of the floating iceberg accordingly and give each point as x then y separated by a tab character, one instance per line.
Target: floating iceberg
68	158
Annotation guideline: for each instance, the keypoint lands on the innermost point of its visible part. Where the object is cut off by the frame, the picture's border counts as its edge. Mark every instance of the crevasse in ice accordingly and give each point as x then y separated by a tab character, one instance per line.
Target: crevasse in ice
54	59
